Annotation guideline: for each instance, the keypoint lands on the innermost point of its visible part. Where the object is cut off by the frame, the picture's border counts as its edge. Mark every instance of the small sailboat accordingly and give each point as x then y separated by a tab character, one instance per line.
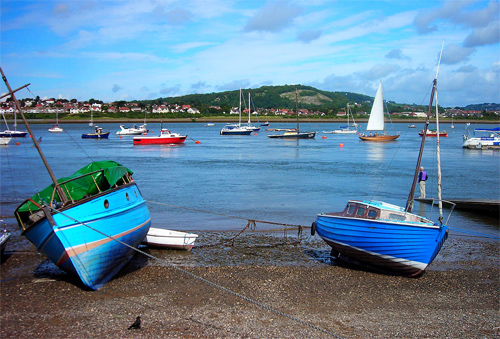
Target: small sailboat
236	129
8	133
376	121
384	236
249	125
91	123
452	126
56	128
294	133
346	129
89	223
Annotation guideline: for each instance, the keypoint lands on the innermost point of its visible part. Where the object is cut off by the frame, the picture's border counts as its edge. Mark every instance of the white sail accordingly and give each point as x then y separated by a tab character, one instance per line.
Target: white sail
376	120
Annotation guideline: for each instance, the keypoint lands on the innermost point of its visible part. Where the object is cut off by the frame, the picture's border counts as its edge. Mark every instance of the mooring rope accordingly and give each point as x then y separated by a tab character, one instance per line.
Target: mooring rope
222	288
300	227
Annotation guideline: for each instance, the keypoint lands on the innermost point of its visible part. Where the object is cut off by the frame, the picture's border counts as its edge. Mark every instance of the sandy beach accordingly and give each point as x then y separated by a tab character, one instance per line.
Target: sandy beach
281	289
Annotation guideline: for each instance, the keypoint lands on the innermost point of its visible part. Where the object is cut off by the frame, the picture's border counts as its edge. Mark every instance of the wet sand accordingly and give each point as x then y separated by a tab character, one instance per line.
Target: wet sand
290	291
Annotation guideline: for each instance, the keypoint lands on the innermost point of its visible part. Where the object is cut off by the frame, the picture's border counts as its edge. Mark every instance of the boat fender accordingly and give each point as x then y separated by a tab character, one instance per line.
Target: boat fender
313	228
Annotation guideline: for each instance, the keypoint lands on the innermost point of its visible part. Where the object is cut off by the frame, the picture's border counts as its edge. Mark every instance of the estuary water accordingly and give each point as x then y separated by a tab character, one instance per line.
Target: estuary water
223	181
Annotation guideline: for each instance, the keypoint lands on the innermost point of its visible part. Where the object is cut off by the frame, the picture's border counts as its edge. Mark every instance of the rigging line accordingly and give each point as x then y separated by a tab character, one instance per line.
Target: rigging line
228	216
222	288
480	234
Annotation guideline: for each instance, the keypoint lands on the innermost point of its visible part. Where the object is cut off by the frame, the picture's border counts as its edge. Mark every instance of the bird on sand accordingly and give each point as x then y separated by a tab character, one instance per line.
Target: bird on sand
136	324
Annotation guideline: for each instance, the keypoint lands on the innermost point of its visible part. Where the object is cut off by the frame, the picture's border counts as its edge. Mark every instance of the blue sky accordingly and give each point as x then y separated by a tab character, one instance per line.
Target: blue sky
128	50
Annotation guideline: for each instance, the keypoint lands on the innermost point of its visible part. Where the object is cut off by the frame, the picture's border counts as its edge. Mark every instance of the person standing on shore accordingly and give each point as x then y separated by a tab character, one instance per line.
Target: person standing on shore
422	177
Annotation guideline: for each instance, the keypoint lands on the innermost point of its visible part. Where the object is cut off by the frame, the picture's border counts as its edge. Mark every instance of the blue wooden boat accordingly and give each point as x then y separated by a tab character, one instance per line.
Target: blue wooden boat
89	223
383	236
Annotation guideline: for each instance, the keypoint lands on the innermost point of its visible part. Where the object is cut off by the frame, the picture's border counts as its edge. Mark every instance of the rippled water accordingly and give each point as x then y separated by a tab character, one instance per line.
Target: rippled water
259	178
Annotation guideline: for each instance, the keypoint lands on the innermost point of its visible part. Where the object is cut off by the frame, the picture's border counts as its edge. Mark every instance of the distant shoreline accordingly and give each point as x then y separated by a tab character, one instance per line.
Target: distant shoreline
234	119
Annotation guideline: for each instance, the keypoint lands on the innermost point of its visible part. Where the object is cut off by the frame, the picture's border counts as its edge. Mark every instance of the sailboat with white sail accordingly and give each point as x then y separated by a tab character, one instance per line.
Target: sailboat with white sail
384	236
376	121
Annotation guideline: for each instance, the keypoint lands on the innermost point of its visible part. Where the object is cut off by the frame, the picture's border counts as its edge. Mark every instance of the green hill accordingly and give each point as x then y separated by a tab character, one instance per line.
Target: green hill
272	97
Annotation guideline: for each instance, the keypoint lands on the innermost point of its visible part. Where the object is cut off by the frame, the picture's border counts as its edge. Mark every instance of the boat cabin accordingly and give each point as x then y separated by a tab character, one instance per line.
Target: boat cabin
376	210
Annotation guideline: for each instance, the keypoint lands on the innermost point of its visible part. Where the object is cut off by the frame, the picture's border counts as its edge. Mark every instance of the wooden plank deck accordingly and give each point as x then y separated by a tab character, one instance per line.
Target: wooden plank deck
482	206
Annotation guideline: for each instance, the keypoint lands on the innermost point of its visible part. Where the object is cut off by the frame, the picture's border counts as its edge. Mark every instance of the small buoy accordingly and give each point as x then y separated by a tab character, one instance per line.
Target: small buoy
121	137
198	142
255	134
17	143
323	137
341	145
205	125
30	135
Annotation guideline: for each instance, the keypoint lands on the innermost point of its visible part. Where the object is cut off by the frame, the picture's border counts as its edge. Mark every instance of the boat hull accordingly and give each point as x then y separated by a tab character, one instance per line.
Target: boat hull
301	135
378	137
5	140
393	247
430	134
87	251
162	238
159	140
482	143
13	134
95	136
345	131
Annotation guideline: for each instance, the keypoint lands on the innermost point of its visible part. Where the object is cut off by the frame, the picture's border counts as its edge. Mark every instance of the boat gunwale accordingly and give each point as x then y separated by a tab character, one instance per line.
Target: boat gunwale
68	206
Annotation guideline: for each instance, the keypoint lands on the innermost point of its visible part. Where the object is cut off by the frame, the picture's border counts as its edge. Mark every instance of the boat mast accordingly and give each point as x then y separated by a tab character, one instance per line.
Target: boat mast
239	123
411	196
297	109
60	192
249	108
438	158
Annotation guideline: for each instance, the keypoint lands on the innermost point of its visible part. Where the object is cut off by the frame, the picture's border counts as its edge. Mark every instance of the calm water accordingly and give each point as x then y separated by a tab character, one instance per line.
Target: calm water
255	177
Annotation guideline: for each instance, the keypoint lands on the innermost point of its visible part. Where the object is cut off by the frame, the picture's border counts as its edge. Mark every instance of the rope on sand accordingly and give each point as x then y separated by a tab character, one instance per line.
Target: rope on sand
222	288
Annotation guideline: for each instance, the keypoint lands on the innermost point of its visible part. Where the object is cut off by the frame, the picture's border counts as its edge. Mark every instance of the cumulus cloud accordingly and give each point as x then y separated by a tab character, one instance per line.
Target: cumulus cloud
273	17
308	36
453	54
236	84
379	71
467	69
171	90
425	21
116	88
488	35
396	54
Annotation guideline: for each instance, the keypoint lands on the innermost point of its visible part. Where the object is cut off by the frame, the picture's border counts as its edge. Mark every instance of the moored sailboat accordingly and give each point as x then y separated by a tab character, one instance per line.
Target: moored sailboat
384	236
89	223
347	129
56	128
294	133
236	129
376	121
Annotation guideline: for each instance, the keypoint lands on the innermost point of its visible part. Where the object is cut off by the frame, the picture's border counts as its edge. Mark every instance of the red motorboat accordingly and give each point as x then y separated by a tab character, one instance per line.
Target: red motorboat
433	133
165	137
